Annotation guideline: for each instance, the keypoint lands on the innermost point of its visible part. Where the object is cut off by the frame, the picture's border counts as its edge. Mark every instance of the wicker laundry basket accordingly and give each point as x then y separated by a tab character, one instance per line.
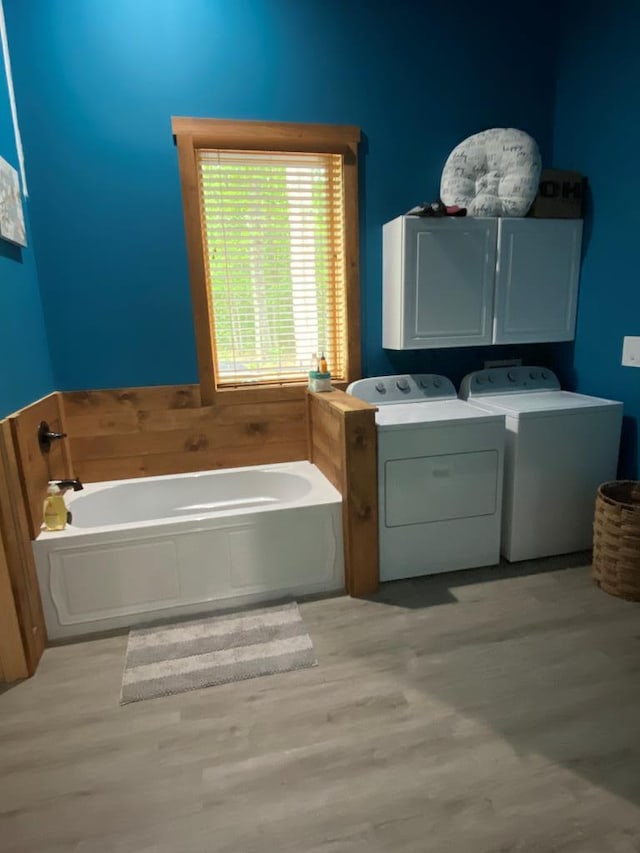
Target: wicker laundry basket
616	539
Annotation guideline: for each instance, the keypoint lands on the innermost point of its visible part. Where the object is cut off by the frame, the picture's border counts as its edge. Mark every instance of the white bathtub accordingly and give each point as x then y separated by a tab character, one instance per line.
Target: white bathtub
148	549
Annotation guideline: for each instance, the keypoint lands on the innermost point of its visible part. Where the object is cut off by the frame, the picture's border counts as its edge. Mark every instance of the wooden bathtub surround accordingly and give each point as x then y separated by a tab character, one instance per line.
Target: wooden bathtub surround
24	475
13	661
138	432
23	606
141	432
35	467
343	444
144	432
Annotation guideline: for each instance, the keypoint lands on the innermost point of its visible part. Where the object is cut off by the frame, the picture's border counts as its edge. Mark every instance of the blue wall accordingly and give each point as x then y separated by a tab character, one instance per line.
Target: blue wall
598	133
25	369
107	213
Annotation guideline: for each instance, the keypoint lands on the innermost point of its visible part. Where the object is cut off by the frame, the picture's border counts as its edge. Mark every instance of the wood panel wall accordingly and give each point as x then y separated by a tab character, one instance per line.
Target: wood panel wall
24	475
343	444
13	661
15	542
138	432
37	468
143	432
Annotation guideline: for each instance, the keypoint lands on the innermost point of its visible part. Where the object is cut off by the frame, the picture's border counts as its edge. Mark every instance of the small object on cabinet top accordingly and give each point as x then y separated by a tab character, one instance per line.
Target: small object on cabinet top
561	195
436	208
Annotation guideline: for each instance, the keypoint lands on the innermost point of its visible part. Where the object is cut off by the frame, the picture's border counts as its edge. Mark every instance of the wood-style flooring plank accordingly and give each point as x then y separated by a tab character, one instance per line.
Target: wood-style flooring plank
493	711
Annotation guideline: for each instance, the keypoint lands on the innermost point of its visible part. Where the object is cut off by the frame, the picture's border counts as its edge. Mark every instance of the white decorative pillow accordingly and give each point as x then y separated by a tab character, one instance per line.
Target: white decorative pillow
493	173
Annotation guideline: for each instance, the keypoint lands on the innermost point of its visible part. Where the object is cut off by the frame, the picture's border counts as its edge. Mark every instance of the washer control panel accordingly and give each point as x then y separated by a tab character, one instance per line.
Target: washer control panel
505	380
407	388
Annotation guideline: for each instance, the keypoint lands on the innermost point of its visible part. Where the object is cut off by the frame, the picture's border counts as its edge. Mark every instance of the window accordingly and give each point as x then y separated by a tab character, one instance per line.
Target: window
271	222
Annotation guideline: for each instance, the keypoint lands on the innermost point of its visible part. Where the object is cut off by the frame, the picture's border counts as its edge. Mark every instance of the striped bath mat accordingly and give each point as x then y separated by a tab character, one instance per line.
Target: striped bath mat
216	650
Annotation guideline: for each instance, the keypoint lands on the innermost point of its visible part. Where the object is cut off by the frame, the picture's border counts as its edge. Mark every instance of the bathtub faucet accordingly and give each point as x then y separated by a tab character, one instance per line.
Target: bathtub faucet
63	485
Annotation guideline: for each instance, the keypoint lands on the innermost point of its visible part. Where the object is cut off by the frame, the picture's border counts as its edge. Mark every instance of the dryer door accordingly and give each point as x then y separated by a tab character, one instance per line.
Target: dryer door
438	488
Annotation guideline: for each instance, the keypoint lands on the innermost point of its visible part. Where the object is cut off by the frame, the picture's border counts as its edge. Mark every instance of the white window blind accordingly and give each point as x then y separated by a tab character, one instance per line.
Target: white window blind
273	238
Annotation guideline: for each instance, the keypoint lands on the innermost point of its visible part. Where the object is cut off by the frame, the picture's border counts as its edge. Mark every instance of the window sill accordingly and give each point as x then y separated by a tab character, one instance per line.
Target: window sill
266	393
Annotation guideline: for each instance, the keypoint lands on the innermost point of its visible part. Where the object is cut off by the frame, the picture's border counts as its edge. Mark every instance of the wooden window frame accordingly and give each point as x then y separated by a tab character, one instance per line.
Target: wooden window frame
191	134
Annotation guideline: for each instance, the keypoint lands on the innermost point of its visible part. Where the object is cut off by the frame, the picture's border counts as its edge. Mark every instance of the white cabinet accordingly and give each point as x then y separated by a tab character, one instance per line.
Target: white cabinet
438	282
470	281
537	276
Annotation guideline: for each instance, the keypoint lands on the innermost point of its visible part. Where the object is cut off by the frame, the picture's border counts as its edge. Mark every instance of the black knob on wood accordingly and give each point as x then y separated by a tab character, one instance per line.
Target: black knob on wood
46	437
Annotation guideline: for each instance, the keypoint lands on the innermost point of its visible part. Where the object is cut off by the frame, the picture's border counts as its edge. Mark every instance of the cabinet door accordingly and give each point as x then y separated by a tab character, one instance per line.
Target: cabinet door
449	269
537	276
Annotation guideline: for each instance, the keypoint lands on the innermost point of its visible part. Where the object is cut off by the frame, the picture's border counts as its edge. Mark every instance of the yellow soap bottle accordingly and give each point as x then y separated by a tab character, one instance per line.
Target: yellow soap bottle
54	510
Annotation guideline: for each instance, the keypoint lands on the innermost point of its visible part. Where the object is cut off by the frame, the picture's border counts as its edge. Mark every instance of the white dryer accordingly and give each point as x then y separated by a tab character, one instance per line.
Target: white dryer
560	447
440	474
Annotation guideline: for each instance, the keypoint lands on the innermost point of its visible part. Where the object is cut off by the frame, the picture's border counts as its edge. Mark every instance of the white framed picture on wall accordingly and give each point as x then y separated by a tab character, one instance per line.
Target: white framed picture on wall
11	214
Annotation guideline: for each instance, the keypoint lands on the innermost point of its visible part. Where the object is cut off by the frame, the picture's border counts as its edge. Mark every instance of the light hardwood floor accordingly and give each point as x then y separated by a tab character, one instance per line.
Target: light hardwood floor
494	710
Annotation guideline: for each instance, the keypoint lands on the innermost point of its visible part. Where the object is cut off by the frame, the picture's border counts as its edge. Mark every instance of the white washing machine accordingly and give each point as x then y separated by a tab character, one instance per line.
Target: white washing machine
440	473
560	446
